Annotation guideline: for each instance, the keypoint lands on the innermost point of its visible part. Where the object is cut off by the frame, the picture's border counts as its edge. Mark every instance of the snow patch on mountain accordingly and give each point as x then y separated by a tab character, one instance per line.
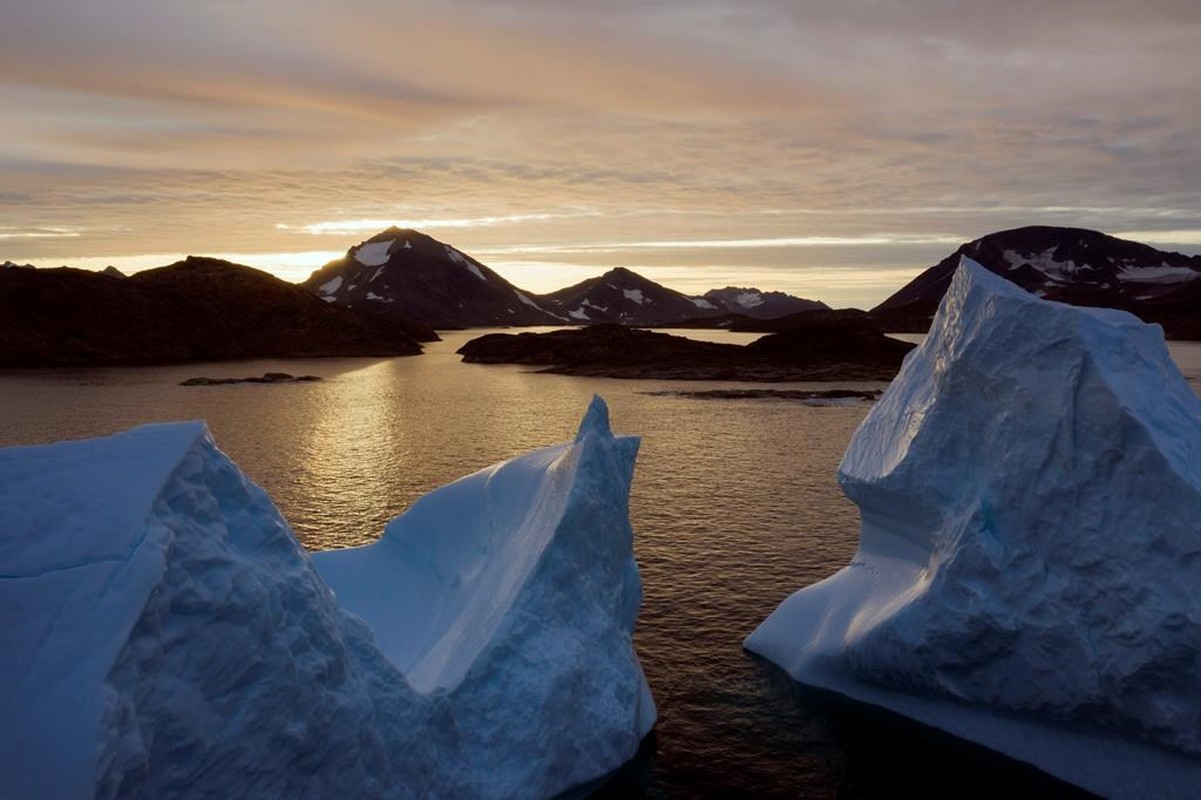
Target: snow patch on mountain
635	295
1044	262
463	261
1161	274
373	254
327	289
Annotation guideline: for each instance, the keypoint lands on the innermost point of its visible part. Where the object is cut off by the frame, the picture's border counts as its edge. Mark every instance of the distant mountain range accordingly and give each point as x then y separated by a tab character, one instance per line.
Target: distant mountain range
198	309
761	305
389	292
1071	265
407	274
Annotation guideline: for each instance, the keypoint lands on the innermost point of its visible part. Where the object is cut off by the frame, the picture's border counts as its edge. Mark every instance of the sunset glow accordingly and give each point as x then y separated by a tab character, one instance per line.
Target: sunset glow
733	143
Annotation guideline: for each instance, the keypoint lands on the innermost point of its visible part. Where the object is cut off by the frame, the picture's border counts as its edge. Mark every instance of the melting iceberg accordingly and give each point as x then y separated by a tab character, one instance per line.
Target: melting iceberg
1030	553
163	633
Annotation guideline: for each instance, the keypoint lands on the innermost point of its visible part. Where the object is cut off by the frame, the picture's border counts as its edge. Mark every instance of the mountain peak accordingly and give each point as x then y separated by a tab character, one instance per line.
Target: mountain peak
752	302
622	272
395	232
400	272
623	296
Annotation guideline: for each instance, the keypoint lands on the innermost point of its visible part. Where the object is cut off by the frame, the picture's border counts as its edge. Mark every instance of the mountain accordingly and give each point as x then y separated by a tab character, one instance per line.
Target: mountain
761	305
1071	265
198	309
625	297
406	273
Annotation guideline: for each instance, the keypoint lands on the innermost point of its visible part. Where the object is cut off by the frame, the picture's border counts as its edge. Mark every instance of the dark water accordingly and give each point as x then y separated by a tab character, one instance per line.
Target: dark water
735	506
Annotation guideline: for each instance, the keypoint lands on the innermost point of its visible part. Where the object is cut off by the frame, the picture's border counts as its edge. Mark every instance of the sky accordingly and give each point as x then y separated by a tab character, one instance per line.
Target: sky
832	149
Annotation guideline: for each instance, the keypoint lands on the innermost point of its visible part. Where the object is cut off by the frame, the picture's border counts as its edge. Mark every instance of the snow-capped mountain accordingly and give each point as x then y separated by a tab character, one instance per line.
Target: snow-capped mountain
1071	265
760	305
409	274
625	297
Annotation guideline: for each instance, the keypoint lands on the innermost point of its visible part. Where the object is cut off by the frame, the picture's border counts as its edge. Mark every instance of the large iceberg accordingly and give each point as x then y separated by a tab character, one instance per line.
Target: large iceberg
162	633
1030	553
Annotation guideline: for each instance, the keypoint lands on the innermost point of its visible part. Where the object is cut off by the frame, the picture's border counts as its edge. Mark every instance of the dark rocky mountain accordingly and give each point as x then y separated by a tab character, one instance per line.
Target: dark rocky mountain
1071	265
760	305
845	351
112	272
405	273
625	297
15	265
198	309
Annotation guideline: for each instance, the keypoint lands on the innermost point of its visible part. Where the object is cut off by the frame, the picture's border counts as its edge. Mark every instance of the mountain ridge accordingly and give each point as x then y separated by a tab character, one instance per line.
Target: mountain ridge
1071	265
194	310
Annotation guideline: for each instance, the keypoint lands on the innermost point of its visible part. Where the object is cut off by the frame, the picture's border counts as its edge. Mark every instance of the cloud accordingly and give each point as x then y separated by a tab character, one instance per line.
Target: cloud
158	127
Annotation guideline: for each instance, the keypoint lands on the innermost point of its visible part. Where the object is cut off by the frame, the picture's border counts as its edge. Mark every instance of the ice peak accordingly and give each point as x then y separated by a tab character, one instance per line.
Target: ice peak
1028	478
596	420
971	274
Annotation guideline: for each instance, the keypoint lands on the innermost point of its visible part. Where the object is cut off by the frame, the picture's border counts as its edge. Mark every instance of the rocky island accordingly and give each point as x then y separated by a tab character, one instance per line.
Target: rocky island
823	349
266	377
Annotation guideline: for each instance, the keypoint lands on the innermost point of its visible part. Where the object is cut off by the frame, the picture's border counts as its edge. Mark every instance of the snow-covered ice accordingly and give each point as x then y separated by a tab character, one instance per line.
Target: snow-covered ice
1030	494
163	632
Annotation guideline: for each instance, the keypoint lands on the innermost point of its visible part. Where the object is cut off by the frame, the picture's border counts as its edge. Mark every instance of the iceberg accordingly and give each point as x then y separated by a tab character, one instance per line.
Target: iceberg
163	633
1030	550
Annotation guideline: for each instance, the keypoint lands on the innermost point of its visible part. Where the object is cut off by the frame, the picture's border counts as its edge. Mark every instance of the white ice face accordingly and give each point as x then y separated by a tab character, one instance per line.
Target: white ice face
1029	487
164	631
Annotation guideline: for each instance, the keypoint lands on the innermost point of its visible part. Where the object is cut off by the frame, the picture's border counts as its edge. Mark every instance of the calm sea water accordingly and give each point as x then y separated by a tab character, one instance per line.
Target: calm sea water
735	506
